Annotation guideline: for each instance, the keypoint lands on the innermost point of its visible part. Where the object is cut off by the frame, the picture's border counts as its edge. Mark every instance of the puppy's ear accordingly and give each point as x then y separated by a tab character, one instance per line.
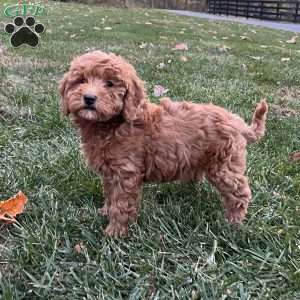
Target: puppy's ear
134	98
62	90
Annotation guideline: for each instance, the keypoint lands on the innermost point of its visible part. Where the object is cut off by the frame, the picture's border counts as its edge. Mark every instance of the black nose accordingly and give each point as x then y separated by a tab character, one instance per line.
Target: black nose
89	99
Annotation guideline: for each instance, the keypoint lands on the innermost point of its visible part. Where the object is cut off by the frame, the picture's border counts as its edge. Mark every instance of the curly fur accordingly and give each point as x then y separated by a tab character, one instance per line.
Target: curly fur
129	141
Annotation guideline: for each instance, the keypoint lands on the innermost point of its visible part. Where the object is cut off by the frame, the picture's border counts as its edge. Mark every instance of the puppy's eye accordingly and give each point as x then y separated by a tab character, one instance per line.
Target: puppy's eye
109	83
80	81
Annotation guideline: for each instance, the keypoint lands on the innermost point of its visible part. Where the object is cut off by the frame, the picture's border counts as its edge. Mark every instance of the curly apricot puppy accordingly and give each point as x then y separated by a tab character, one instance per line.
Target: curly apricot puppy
128	140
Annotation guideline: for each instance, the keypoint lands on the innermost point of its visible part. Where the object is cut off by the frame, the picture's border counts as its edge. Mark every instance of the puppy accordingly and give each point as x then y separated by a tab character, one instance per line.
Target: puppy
129	141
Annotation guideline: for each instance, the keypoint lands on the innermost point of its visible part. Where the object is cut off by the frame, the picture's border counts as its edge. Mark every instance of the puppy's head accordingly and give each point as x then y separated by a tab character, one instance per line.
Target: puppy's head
101	86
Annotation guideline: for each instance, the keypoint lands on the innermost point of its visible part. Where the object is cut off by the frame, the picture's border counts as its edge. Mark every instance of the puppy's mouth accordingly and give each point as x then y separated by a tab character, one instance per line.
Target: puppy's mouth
88	113
91	108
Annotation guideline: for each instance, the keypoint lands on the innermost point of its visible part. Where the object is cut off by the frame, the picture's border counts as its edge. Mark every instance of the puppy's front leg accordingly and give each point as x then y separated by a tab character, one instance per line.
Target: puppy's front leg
122	203
106	187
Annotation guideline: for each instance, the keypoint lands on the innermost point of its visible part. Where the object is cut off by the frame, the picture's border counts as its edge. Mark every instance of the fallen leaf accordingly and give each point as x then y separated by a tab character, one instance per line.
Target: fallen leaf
284	112
224	48
183	58
96	28
285	59
107	28
280	231
243	37
258	58
78	248
263	46
159	90
295	156
225	38
143	45
148	23
181	47
161	65
72	36
244	67
12	207
293	40
195	295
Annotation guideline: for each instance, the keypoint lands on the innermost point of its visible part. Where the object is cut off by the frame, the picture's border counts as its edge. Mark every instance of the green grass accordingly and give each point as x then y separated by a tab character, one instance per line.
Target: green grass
181	247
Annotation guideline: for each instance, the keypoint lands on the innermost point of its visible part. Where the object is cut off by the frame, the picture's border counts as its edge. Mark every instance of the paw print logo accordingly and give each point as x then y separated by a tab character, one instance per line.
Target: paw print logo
24	32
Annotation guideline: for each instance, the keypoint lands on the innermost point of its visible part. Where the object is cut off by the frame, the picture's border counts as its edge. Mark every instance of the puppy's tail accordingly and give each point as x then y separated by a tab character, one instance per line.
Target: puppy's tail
258	126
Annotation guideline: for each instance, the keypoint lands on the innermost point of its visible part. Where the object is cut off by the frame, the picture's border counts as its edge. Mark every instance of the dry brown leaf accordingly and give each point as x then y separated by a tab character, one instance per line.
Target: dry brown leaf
181	47
224	48
159	90
243	37
143	45
295	156
293	40
280	231
183	58
257	58
244	67
10	208
161	65
78	248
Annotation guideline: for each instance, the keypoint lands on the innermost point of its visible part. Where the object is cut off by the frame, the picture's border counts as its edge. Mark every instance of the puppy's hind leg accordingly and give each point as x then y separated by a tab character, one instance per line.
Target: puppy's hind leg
230	180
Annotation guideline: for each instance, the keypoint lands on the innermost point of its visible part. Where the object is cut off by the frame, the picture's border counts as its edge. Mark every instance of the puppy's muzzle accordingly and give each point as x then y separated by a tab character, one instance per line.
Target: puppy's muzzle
89	100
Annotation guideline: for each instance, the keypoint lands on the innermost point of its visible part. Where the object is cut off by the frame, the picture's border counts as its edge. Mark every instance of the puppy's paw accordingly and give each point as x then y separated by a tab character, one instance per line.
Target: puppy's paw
235	217
116	230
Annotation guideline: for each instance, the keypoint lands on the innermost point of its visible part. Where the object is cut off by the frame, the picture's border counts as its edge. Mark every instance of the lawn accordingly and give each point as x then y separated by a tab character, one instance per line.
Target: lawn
181	247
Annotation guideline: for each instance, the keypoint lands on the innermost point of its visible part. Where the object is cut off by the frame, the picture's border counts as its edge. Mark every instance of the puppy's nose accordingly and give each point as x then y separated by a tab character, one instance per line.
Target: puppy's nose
89	99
